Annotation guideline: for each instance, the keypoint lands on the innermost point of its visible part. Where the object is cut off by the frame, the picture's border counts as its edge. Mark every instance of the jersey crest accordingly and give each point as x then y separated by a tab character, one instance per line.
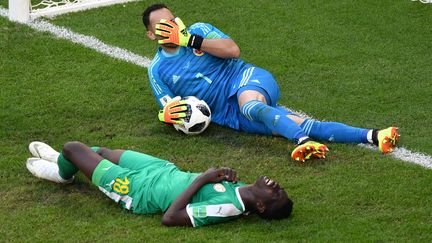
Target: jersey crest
219	187
198	53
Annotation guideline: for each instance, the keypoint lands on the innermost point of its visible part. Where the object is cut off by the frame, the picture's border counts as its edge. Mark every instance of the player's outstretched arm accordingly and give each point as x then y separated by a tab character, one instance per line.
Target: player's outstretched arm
176	214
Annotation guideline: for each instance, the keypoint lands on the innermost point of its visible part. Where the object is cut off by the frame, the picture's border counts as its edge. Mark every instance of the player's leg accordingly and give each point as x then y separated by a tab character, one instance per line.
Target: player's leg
279	123
138	161
112	155
330	131
49	164
130	159
285	123
385	139
336	132
46	152
81	156
253	106
115	181
257	96
61	167
126	158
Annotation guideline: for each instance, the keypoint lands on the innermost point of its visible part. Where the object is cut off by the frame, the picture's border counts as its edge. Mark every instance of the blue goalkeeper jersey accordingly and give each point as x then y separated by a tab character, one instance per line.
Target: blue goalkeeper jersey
190	72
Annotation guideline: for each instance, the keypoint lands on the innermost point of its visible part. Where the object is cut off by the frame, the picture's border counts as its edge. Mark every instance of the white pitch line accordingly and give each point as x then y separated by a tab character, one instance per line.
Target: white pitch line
422	1
122	54
87	41
406	155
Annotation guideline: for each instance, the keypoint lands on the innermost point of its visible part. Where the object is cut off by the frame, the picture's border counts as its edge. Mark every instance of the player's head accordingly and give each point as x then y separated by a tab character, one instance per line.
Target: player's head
271	200
152	15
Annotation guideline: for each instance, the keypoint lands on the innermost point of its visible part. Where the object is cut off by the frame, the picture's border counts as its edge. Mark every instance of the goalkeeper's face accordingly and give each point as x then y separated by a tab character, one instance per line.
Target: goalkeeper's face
154	18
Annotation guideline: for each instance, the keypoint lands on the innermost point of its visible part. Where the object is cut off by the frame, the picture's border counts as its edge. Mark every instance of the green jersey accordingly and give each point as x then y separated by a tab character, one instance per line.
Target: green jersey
145	184
216	203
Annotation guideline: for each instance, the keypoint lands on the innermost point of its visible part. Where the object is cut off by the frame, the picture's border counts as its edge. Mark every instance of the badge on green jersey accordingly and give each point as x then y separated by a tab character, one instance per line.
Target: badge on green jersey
200	212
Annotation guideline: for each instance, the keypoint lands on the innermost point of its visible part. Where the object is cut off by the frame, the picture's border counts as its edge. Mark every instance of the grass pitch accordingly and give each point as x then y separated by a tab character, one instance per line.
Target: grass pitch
363	63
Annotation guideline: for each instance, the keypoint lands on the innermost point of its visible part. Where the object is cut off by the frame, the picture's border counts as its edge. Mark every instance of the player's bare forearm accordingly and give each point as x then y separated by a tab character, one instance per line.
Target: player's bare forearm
223	48
176	214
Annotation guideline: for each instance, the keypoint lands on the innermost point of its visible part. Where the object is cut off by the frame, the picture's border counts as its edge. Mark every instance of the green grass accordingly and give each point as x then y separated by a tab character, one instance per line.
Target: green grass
365	63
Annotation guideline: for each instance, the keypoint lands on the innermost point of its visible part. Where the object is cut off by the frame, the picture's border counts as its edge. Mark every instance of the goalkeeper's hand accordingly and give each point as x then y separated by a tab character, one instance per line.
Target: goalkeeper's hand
175	32
174	111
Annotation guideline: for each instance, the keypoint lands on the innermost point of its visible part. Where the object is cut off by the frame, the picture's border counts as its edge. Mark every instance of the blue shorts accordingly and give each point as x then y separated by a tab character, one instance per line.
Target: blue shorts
258	79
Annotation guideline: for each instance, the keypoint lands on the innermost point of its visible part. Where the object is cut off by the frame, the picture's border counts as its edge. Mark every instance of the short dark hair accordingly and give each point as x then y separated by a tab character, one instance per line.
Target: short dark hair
149	10
279	213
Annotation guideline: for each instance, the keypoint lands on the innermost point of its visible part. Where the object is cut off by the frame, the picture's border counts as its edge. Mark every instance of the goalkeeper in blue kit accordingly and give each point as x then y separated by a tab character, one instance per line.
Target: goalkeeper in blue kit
204	62
144	184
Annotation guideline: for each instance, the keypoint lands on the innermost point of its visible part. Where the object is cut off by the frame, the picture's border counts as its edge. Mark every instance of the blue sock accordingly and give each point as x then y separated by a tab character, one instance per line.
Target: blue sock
274	119
334	132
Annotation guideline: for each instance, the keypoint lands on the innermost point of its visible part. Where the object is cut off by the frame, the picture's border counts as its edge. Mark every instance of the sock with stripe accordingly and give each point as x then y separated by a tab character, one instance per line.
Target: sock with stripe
335	132
274	119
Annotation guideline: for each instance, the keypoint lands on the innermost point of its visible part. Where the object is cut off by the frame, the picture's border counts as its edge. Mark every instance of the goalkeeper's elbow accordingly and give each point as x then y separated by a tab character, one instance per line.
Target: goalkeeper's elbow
234	51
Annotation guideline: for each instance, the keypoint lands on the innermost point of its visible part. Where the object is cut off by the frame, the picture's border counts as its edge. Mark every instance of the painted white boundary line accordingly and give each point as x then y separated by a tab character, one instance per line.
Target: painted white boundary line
87	41
422	1
122	54
406	155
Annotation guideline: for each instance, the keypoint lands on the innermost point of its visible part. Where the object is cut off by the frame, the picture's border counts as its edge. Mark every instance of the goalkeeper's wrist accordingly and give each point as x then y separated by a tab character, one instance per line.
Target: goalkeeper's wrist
195	41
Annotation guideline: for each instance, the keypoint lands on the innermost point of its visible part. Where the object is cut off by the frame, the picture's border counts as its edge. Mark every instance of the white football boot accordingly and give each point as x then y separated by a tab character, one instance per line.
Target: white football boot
43	151
46	170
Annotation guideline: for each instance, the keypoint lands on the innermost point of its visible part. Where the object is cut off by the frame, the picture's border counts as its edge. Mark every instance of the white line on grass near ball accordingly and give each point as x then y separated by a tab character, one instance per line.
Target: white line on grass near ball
125	55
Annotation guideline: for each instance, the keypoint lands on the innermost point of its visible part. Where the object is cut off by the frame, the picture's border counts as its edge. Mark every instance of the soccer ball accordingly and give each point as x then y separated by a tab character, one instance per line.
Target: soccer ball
198	116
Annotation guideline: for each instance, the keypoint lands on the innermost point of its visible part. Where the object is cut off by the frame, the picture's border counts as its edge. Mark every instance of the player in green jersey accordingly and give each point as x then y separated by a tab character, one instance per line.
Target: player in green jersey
145	184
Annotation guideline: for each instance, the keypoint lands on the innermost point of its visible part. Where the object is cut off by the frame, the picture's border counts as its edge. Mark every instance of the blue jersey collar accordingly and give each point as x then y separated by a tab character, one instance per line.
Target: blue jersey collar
169	54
